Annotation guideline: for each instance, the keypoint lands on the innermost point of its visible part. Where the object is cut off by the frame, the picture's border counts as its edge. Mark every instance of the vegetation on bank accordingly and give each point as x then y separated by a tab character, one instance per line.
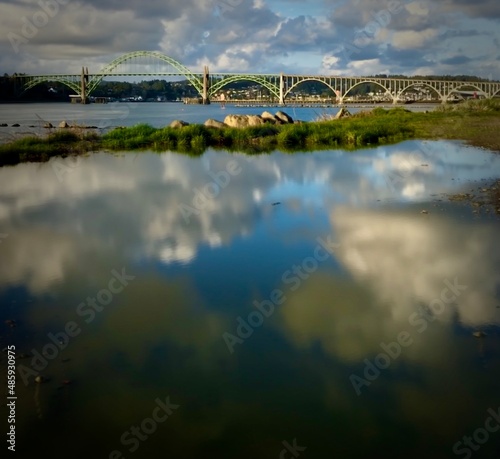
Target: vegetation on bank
476	121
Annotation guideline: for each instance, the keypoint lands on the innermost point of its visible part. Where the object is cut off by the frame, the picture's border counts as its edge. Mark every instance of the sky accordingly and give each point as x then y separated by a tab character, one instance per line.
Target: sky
317	37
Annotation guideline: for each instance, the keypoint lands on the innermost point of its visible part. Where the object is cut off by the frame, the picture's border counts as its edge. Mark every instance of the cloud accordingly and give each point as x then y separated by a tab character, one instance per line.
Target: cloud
456	60
261	37
411	40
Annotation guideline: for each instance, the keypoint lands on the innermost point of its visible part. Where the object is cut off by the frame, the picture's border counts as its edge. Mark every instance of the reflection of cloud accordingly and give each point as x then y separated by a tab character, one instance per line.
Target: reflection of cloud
35	258
398	263
406	258
179	253
133	201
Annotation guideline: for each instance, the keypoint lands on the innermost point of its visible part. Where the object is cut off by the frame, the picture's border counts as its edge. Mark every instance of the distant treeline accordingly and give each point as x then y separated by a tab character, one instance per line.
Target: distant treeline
11	90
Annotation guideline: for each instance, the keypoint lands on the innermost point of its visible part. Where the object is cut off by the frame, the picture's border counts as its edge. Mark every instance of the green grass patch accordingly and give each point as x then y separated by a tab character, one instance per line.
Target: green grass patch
477	121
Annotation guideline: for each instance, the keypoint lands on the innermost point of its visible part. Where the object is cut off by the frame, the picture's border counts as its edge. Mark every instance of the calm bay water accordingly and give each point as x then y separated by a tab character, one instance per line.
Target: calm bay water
275	300
32	117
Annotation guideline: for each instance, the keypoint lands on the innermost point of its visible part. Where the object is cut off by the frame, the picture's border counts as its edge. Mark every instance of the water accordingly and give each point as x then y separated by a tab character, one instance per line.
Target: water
361	308
32	117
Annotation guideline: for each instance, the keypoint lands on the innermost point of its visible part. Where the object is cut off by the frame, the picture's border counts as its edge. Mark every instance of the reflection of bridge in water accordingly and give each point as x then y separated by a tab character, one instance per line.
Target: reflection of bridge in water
154	64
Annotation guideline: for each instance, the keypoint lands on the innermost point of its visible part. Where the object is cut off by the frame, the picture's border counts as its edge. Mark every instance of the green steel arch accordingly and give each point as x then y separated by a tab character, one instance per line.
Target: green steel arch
32	82
274	89
387	90
420	83
308	79
107	71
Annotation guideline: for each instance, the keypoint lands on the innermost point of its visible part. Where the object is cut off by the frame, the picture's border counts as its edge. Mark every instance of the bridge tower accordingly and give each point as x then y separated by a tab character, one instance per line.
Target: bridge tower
282	89
83	85
206	84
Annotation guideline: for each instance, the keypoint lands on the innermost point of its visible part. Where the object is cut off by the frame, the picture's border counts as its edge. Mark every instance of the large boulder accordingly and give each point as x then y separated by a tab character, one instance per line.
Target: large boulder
63	125
283	117
241	121
214	123
268	117
255	120
178	124
237	121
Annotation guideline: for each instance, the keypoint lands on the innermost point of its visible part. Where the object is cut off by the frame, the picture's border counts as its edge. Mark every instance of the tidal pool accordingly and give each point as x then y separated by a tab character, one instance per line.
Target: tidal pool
312	305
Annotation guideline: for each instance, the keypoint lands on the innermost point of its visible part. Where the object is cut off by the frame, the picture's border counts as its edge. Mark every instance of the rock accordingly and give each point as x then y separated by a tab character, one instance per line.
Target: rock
16	125
3	125
237	121
39	379
268	117
255	120
178	124
48	125
342	113
214	123
479	334
63	125
283	117
424	212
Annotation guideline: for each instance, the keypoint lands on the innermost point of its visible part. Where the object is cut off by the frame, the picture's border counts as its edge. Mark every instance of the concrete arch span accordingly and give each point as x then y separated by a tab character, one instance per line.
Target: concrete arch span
308	79
273	89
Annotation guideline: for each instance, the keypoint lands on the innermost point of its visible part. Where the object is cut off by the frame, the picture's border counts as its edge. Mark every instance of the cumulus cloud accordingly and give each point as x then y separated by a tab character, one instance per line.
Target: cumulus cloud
252	36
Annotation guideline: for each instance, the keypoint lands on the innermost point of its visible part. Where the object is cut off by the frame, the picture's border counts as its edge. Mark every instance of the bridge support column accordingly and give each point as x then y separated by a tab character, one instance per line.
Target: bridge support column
83	85
282	89
206	99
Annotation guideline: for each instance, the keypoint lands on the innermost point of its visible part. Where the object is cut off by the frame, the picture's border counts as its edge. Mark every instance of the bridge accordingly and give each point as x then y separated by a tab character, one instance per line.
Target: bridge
208	85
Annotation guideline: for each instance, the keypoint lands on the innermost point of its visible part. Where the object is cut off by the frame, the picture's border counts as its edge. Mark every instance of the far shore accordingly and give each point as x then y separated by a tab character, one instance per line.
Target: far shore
476	122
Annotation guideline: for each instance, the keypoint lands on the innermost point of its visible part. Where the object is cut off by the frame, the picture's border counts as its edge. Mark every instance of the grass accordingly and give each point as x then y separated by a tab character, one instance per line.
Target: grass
475	121
59	143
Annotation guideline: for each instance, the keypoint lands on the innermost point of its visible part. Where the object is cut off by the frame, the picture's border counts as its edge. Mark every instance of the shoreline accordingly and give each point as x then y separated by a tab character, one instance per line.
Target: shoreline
475	122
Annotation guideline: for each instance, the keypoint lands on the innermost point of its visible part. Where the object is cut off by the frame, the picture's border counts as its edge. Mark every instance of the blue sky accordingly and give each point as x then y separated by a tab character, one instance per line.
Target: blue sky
341	37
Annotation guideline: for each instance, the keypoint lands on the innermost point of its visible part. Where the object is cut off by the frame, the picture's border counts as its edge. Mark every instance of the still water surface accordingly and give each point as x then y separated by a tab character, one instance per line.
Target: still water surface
153	268
32	116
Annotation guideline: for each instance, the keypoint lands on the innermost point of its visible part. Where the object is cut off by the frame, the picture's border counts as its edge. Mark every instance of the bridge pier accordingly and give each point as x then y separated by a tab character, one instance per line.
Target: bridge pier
282	89
206	84
83	85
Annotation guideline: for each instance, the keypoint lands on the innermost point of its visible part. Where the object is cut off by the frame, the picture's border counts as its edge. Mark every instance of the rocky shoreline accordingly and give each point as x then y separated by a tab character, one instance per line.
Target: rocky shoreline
267	132
238	121
484	199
